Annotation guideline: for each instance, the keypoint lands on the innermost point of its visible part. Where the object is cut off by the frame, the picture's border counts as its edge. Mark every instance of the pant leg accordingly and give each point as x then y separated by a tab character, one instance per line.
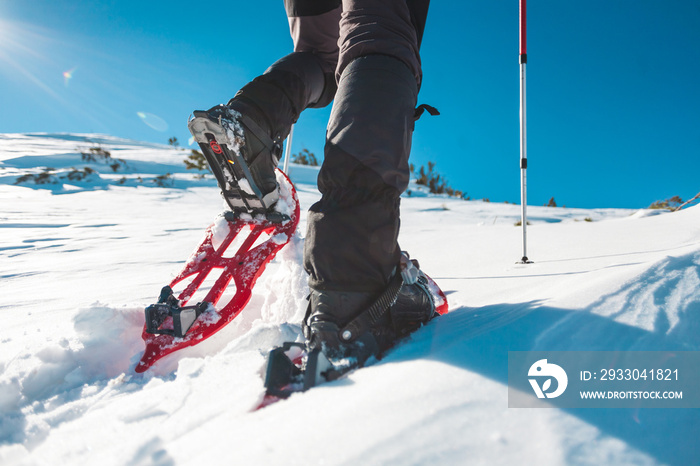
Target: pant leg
393	27
352	236
314	27
372	117
352	232
302	79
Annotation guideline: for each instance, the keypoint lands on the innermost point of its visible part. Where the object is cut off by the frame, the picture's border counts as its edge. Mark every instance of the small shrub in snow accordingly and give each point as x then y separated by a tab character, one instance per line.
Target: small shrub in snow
50	176
95	153
79	175
163	181
197	161
434	181
98	154
669	204
305	158
45	177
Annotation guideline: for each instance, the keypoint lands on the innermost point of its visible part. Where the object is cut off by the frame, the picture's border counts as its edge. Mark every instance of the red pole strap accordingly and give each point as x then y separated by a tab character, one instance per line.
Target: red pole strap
523	29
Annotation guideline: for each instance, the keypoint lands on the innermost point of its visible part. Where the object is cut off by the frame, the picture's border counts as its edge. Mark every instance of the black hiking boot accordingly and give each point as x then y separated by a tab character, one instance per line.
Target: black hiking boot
358	325
344	329
241	153
413	308
329	311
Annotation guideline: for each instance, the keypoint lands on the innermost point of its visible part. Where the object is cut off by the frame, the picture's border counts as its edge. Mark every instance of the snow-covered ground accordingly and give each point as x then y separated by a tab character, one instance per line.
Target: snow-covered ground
80	258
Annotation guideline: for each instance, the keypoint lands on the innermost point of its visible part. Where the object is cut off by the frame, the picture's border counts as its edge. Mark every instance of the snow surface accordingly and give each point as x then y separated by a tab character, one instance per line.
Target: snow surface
79	260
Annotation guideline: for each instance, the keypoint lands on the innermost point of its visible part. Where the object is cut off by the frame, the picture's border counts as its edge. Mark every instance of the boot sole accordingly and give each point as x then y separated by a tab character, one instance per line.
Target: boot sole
229	167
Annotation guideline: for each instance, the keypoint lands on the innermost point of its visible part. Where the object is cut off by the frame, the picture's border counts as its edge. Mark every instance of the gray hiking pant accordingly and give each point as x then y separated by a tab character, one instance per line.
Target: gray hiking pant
364	27
365	55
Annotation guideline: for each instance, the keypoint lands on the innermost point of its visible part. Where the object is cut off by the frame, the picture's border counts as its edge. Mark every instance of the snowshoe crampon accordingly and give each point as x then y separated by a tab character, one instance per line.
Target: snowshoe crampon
292	368
232	255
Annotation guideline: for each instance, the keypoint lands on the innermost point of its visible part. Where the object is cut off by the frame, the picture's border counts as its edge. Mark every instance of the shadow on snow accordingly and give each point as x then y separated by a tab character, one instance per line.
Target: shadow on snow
479	340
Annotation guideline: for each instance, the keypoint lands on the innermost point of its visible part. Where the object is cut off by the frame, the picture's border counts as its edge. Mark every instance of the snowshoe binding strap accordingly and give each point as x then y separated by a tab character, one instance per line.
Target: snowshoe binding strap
408	274
159	315
287	374
282	372
272	216
369	317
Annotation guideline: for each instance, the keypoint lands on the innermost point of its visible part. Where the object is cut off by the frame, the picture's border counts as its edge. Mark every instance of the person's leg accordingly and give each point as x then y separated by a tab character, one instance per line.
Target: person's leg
351	242
303	78
351	250
259	117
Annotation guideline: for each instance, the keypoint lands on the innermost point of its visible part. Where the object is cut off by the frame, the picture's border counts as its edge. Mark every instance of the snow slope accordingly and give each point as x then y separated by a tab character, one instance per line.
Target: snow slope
79	260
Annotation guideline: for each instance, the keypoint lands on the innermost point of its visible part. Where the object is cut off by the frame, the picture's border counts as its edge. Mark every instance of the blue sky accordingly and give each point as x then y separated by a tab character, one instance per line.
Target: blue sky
613	94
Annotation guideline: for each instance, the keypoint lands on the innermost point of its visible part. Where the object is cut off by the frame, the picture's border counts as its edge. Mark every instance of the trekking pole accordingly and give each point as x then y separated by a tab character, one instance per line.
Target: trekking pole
288	150
523	130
